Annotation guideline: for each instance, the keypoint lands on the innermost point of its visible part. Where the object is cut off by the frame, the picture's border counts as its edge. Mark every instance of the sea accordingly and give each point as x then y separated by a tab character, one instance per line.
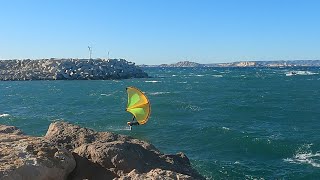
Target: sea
232	123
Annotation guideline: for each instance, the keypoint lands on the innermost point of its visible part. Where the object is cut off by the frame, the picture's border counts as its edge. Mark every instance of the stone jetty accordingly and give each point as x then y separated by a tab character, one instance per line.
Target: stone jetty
69	69
72	152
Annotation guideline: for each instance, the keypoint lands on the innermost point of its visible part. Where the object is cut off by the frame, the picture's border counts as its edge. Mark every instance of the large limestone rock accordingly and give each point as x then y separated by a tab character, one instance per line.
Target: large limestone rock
71	152
117	156
31	158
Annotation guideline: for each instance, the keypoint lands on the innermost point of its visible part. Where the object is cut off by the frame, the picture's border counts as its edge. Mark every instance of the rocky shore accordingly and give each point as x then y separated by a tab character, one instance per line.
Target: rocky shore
68	69
71	152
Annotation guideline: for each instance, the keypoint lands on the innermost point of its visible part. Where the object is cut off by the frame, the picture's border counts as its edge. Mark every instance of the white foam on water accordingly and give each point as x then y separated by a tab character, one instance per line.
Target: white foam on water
184	82
305	156
105	94
158	93
152	81
123	128
4	115
225	128
304	73
215	75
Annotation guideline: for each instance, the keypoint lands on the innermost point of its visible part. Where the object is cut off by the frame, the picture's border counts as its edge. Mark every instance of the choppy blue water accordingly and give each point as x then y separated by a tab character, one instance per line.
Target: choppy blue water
233	123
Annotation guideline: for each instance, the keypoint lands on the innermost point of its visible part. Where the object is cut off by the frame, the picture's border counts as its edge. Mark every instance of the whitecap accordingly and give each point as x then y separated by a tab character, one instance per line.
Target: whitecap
225	128
105	94
183	82
152	81
4	115
158	93
294	73
305	156
237	162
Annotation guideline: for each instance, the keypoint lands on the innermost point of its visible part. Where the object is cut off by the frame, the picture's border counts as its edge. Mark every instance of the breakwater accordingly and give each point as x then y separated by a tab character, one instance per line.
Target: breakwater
69	69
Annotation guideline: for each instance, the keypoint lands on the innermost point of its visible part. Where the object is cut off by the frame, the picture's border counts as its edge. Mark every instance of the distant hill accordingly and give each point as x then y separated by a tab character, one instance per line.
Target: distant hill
178	64
282	63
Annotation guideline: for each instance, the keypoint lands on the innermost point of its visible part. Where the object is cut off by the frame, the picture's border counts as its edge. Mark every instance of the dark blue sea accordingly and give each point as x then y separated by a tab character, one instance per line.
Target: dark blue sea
232	123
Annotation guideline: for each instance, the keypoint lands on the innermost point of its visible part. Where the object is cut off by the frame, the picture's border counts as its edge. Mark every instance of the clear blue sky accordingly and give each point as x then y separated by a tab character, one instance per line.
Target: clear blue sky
162	31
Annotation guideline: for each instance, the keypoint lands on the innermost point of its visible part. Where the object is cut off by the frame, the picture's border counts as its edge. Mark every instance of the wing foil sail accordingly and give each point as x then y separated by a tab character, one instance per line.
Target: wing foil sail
138	105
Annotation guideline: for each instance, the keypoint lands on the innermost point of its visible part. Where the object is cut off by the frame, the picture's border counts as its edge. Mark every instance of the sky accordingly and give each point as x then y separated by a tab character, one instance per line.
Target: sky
162	31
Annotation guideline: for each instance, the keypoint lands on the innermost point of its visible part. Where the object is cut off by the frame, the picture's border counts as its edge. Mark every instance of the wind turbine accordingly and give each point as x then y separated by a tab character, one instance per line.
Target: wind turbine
90	51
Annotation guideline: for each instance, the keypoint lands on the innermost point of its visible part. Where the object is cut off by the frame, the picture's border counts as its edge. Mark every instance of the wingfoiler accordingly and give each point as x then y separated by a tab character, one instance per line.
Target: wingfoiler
138	105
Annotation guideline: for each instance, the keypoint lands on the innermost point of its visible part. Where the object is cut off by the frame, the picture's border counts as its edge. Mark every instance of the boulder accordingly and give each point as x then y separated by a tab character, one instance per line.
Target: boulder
32	158
10	130
115	155
71	152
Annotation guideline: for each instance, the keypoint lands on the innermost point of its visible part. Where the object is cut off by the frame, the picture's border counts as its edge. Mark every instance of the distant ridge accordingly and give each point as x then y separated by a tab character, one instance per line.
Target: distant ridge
178	64
280	63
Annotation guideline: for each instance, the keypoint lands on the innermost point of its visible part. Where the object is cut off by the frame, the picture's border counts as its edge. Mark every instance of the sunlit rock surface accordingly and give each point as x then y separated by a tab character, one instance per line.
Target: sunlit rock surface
69	69
72	152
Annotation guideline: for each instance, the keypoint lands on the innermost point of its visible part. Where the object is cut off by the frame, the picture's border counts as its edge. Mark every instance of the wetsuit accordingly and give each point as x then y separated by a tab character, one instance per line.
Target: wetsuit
133	122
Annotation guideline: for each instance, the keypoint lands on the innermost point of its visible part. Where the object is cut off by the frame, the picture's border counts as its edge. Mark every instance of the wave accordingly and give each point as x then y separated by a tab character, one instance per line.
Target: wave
158	93
305	156
152	81
183	82
217	75
105	94
294	73
4	115
191	75
225	128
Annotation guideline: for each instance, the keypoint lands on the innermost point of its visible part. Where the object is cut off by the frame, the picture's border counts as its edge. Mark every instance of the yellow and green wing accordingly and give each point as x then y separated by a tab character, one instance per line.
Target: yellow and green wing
138	105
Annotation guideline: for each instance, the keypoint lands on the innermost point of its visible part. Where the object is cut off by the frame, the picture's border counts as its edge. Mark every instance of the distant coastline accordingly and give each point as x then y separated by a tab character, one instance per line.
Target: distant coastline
281	63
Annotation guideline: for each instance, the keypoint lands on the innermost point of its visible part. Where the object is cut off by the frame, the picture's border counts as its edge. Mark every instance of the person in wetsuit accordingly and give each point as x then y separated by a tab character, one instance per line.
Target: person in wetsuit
133	122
